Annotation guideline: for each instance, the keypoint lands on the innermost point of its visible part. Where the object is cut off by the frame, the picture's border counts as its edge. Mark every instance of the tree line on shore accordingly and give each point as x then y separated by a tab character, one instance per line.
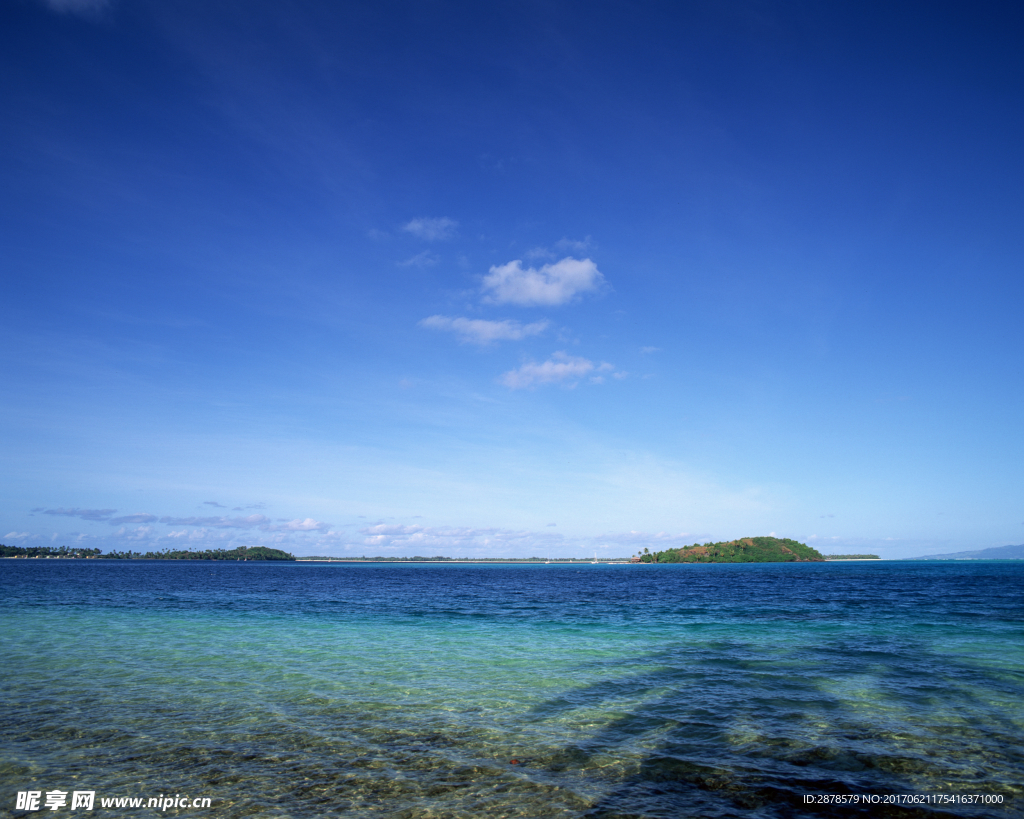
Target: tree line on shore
852	557
240	553
46	551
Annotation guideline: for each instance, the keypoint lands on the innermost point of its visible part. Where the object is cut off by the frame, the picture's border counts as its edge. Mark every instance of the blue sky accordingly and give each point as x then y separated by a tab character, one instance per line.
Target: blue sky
511	279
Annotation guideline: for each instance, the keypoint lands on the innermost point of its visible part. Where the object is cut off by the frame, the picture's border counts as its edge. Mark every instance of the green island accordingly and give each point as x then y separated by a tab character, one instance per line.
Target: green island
241	553
742	550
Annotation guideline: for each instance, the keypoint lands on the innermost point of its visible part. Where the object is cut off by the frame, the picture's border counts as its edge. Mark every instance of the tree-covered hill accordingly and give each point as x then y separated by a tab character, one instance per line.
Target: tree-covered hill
744	550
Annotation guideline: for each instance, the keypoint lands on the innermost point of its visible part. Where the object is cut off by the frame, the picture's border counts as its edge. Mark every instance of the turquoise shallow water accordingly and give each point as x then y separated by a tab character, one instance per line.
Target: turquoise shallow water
298	690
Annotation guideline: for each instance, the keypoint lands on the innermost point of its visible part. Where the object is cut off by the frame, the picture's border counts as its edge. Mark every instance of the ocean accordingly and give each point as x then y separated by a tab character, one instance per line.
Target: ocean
443	690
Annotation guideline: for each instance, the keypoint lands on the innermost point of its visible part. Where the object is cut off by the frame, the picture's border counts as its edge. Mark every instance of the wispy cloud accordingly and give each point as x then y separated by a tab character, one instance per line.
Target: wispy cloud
450	540
137	526
432	230
249	522
662	539
83	514
429	540
140	518
549	285
561	368
134	537
260	522
482	331
100	515
605	367
562	246
307	525
260	505
649	350
391	529
83	7
423	259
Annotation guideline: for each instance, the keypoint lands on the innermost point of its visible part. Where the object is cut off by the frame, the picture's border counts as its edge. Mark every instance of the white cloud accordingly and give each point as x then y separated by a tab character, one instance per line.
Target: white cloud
662	539
248	522
560	368
563	245
307	525
194	534
573	245
482	331
432	540
260	522
551	285
432	230
140	534
390	529
454	540
649	350
423	259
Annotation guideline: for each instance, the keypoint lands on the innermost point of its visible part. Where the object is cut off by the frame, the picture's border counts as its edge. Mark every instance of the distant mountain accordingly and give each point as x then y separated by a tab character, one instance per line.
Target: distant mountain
995	553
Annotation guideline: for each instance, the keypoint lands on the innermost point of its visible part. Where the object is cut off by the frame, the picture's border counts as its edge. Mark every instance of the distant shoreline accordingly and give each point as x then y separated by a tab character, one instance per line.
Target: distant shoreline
517	561
559	561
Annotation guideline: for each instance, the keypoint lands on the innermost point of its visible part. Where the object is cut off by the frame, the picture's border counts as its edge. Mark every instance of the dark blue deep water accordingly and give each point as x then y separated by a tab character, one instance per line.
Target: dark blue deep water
305	690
